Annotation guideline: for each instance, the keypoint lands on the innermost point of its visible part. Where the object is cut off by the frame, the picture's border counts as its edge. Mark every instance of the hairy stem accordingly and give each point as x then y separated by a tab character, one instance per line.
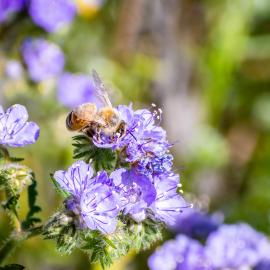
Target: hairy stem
8	246
14	240
5	153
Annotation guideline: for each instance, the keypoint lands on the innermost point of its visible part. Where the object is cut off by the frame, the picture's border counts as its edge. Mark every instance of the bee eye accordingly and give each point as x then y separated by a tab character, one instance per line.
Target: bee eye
69	121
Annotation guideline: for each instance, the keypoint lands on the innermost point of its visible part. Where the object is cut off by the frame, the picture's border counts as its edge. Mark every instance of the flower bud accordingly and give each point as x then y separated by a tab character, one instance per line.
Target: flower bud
16	177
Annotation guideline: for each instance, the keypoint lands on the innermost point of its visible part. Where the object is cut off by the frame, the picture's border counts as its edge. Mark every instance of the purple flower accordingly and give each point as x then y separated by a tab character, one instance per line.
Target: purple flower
263	265
180	254
15	131
145	142
141	198
136	191
235	246
9	7
144	138
76	89
44	60
196	224
165	257
52	15
155	166
92	199
13	69
168	203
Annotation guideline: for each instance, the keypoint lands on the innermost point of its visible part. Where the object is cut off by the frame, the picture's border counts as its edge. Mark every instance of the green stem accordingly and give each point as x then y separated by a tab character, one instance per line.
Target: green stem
6	249
15	240
5	153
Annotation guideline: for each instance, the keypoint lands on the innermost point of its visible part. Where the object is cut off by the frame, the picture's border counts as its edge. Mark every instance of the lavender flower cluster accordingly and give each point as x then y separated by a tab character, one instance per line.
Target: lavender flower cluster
145	187
235	247
44	59
50	15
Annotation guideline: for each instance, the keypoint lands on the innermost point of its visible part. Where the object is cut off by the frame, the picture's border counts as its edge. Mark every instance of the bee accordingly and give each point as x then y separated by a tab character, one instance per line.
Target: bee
104	125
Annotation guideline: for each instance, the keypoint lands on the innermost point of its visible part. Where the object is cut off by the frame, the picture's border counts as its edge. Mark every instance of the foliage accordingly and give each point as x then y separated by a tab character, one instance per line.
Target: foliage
102	159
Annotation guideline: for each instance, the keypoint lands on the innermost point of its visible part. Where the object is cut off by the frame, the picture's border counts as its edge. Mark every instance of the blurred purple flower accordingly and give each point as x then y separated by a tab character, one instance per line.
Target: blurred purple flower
196	224
263	265
76	89
13	69
168	203
235	246
44	60
136	191
180	254
9	7
15	131
92	200
52	15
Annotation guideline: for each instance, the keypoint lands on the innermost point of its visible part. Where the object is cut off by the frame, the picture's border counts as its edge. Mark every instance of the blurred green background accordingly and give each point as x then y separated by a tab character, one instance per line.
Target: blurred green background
206	63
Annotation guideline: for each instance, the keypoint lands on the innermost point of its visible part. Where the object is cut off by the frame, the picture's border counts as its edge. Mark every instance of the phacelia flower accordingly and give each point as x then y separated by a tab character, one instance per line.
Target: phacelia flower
236	246
263	265
91	198
76	89
15	131
144	138
9	7
52	15
136	191
155	166
180	254
142	198
196	224
168	203
145	144
44	60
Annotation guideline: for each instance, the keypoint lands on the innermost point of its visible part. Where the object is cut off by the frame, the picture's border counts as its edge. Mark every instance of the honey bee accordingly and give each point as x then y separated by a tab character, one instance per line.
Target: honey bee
104	126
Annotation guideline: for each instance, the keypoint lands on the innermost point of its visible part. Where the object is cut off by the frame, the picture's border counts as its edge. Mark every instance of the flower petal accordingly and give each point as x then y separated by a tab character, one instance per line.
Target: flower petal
99	209
76	179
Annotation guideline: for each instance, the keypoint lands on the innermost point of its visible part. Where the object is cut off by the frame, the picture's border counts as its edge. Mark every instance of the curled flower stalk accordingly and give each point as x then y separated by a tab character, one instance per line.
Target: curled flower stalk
123	181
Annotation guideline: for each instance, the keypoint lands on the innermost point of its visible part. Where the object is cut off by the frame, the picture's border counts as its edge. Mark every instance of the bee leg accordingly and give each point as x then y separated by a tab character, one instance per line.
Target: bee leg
121	130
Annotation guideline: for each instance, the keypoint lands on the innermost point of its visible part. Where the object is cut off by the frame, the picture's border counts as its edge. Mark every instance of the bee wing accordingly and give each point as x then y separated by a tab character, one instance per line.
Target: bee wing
100	89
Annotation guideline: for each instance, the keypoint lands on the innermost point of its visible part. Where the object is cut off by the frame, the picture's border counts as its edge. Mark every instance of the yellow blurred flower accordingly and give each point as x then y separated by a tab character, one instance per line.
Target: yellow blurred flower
88	8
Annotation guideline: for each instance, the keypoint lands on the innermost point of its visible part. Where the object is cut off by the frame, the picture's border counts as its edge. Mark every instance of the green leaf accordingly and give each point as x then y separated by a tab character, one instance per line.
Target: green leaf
11	203
96	246
62	229
101	158
33	208
58	188
12	267
15	159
